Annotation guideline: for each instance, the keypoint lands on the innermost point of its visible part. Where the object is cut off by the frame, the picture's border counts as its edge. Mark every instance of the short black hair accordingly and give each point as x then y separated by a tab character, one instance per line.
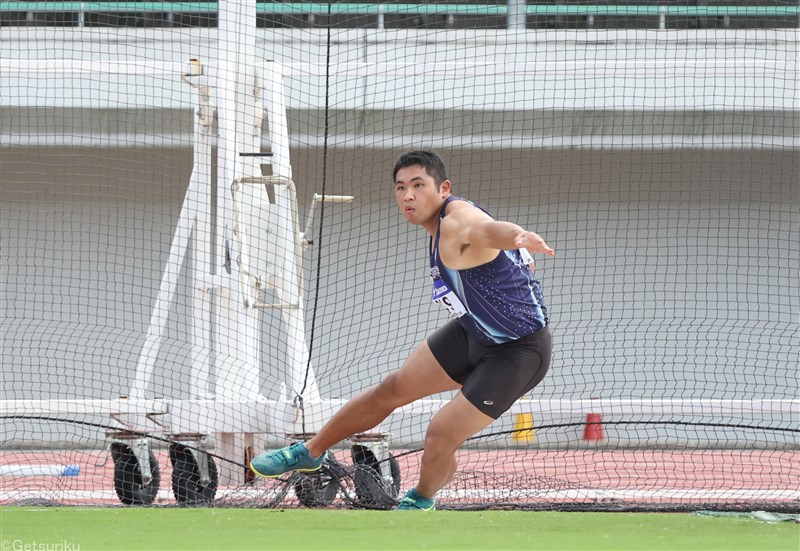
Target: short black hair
426	159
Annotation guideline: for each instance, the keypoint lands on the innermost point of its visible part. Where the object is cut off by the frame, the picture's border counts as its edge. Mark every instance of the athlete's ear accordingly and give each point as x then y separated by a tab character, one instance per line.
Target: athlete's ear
444	188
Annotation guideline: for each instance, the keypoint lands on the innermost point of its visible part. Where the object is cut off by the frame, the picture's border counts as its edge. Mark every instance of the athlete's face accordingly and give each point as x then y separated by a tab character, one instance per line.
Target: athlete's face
418	196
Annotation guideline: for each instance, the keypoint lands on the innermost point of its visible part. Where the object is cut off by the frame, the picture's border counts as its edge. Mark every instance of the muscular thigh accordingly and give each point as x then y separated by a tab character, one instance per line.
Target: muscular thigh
451	346
420	375
506	372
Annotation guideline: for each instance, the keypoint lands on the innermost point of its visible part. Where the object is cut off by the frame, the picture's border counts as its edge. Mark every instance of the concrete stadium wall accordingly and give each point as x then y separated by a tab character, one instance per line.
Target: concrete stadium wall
676	273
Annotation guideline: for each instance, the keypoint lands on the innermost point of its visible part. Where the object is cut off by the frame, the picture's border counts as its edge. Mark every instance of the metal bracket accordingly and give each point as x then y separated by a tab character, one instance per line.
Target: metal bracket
378	444
317	198
197	444
106	453
141	451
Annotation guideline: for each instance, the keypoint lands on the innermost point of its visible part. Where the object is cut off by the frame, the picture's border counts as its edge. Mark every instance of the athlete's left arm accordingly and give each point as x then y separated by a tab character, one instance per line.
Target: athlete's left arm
478	229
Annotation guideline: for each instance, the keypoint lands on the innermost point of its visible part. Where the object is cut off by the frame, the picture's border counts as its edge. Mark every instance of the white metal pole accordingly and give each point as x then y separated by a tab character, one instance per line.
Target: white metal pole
238	340
166	293
201	303
194	215
516	15
290	289
236	326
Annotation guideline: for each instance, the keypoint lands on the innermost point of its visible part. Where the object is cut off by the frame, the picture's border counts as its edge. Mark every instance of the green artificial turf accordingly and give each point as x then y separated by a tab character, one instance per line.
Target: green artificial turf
86	529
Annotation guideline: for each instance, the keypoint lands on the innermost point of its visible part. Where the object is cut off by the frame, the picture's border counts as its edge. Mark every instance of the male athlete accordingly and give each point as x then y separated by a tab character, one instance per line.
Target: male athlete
495	349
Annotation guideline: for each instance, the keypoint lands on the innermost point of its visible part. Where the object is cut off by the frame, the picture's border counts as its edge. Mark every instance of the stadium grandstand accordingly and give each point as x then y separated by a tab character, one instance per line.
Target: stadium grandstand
447	14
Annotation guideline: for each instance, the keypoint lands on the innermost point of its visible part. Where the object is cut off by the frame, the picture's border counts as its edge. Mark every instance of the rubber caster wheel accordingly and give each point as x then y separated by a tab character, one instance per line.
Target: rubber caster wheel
372	490
128	477
187	487
318	489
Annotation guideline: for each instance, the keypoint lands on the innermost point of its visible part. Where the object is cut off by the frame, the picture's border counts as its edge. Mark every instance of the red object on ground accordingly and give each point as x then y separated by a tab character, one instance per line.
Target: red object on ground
594	428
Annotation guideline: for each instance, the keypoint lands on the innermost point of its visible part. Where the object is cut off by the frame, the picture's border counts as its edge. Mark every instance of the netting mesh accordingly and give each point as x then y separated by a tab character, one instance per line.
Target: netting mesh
202	259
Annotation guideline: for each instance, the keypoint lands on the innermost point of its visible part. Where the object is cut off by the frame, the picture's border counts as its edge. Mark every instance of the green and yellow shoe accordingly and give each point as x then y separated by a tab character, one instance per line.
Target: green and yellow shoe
412	501
285	460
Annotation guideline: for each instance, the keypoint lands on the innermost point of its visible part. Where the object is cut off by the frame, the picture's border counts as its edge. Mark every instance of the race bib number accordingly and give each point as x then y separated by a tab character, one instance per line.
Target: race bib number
444	296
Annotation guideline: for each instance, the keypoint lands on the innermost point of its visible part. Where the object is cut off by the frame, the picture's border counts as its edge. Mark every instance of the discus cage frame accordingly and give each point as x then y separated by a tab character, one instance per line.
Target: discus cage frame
252	241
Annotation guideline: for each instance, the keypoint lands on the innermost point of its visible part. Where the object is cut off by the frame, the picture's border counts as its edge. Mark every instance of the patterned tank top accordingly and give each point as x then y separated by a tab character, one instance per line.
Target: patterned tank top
497	302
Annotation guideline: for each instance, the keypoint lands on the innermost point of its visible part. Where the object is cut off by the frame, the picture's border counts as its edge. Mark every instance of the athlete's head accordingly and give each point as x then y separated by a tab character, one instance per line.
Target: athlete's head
421	187
427	159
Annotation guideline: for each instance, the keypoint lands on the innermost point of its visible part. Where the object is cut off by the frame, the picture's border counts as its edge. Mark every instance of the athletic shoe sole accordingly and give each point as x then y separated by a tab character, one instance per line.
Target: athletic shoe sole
280	475
431	508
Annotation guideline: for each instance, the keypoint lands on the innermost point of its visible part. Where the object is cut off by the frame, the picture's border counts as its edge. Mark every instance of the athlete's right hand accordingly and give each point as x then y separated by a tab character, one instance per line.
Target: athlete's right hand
533	242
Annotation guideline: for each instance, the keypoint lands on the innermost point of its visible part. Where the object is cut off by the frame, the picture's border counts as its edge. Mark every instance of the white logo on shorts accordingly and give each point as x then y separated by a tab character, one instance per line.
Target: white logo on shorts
488	402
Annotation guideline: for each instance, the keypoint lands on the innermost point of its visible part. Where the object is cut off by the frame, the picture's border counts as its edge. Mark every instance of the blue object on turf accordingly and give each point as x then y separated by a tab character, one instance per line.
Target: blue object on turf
412	501
291	458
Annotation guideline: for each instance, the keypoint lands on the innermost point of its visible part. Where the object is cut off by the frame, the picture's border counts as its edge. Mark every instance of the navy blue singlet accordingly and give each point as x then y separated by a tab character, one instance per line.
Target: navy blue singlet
497	302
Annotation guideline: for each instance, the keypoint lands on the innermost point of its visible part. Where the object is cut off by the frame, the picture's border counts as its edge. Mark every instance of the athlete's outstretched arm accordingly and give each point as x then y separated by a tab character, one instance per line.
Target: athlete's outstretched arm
476	228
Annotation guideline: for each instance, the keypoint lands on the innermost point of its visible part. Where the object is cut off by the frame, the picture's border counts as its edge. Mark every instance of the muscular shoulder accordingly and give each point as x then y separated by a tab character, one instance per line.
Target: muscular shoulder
456	248
459	218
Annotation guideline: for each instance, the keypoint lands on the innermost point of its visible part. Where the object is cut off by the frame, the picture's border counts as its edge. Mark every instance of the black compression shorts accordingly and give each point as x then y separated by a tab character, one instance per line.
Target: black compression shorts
492	377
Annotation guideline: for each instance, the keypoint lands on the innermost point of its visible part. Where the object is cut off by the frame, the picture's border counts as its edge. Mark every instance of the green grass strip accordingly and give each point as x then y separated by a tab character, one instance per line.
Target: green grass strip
87	529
